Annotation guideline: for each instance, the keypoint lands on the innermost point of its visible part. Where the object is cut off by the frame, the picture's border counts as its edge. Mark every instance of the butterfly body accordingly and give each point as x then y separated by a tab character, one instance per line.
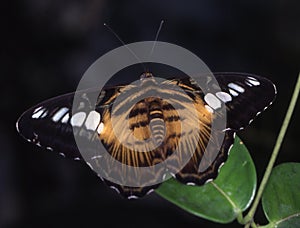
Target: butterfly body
156	122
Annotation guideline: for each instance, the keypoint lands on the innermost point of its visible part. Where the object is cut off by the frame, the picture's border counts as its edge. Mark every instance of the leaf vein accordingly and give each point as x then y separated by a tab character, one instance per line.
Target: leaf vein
236	208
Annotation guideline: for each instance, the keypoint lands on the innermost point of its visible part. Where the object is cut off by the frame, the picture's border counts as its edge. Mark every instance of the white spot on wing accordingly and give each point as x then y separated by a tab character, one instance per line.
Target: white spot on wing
41	113
62	154
248	83
100	128
233	93
250	121
251	78
77	119
96	157
231	146
223	96
100	177
59	114
209	109
92	120
209	180
236	87
212	101
164	176
220	166
253	82
150	191
89	164
37	109
190	183
114	188
49	148
66	118
44	114
133	197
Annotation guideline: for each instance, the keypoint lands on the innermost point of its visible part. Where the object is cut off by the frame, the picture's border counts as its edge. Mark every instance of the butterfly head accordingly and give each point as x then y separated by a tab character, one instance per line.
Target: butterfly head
147	79
146	75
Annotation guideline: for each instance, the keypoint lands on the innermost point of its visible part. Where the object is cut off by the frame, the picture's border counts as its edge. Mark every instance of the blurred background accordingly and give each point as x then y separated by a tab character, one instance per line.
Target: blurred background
48	45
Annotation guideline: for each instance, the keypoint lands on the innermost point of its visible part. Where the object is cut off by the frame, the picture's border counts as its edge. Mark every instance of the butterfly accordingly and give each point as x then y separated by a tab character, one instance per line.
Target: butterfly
168	129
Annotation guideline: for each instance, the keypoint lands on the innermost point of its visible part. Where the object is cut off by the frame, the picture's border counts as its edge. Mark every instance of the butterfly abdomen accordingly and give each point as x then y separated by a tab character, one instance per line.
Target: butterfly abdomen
157	123
147	116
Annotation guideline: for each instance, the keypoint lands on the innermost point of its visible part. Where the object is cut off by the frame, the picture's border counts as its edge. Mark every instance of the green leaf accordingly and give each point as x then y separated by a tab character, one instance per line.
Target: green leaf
281	197
225	198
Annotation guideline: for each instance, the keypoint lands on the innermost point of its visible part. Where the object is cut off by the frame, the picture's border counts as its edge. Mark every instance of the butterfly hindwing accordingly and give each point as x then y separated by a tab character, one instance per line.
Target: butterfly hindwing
192	174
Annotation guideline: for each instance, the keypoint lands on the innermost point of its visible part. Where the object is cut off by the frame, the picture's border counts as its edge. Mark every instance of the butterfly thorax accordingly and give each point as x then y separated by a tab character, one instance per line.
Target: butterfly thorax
147	79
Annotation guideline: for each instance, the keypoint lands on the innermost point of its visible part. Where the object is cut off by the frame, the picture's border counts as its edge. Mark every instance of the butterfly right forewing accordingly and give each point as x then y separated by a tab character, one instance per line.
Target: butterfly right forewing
251	95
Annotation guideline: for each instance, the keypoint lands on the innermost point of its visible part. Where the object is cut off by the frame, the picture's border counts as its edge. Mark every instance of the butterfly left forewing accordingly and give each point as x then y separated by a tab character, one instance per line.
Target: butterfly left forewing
48	125
53	123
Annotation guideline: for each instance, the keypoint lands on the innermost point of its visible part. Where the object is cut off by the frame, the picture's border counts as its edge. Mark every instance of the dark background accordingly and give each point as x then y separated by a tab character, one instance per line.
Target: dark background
48	45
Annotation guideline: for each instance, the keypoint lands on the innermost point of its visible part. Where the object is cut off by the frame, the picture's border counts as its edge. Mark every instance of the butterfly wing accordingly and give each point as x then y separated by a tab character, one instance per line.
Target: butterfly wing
51	125
250	95
48	125
245	96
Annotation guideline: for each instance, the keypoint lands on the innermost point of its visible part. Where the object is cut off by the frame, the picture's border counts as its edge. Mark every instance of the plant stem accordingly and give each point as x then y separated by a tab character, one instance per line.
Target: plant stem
253	225
249	217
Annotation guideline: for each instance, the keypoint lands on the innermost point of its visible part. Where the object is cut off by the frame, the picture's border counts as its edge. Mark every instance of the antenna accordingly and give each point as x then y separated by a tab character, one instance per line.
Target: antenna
156	36
116	35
